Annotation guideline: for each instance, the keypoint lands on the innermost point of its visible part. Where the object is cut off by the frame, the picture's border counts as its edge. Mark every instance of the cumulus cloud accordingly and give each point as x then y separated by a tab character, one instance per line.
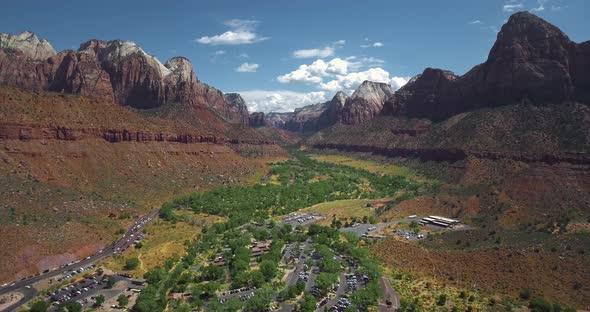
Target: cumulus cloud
240	32
307	53
280	100
247	68
342	74
351	81
219	52
511	7
340	42
313	73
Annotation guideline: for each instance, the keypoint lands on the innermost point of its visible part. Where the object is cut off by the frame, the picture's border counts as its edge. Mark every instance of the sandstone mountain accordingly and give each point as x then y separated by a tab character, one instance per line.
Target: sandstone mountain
366	102
531	61
112	69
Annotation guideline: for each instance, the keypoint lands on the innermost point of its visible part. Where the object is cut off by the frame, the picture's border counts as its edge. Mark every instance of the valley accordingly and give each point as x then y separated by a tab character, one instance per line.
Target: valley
130	184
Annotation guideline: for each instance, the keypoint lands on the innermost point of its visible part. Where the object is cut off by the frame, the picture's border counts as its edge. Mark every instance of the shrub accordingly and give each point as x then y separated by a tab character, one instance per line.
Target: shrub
132	263
442	300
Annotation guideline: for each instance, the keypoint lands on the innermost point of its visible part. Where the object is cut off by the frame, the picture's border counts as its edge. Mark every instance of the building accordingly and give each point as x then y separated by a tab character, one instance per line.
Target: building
439	221
218	261
259	248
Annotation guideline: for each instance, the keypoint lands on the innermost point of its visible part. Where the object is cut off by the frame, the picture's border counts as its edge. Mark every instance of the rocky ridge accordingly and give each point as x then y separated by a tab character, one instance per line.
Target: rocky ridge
114	69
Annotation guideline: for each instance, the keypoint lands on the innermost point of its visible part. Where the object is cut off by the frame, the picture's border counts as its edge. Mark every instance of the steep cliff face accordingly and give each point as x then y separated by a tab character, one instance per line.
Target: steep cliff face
257	119
531	61
366	102
237	109
419	97
116	69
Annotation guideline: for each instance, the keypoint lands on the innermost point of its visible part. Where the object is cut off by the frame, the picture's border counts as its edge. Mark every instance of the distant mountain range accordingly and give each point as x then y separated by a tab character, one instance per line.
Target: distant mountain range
532	62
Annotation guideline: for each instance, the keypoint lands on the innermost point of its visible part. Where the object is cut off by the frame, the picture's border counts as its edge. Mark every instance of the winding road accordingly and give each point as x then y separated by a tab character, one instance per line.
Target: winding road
25	286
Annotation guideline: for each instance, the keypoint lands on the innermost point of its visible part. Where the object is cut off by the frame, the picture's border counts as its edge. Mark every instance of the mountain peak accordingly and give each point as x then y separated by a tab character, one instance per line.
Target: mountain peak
373	90
340	97
29	44
526	36
180	67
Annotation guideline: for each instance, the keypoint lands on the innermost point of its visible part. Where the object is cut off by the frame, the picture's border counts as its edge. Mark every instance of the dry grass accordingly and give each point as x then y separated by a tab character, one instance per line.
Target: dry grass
501	271
345	209
163	240
371	166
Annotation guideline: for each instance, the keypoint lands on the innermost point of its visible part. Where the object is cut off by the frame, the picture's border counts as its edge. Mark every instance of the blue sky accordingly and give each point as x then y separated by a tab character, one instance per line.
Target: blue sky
286	54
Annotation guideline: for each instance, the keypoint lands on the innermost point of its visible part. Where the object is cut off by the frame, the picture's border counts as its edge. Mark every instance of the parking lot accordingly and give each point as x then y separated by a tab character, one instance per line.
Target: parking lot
410	235
243	293
361	229
302	218
82	289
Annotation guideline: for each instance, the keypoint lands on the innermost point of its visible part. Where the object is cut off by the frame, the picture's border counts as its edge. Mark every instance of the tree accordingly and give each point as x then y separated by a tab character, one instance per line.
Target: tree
132	264
268	269
308	304
73	306
325	280
110	281
39	306
99	300
260	301
123	300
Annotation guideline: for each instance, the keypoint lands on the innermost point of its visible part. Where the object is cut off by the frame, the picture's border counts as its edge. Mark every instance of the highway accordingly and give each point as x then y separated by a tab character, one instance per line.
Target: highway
25	286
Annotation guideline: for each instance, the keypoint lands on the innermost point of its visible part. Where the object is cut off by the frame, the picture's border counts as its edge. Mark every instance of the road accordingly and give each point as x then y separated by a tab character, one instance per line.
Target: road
389	294
120	245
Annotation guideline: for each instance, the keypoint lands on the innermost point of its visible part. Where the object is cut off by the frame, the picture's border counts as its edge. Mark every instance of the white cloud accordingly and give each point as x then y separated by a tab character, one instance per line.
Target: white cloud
243	55
241	32
342	74
475	22
351	81
372	45
219	52
340	42
511	7
314	72
307	53
247	68
280	100
541	6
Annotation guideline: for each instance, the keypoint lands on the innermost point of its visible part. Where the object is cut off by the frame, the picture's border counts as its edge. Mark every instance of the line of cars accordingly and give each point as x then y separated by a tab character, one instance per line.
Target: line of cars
227	294
71	273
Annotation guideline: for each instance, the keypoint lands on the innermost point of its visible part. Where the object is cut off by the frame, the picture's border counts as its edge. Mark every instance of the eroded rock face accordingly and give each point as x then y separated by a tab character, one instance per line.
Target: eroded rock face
116	69
29	44
366	102
257	119
277	120
419	97
237	109
531	61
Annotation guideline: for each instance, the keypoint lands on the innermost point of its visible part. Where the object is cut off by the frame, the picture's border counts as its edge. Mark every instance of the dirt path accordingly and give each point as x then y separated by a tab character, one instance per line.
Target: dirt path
389	294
